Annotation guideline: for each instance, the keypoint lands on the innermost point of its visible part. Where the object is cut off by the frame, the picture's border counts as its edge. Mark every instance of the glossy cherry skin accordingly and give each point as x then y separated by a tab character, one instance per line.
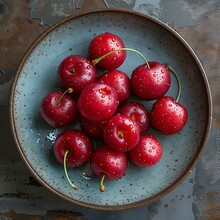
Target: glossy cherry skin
168	116
98	102
104	43
76	72
119	81
93	129
110	162
138	112
150	83
121	133
58	114
147	152
77	143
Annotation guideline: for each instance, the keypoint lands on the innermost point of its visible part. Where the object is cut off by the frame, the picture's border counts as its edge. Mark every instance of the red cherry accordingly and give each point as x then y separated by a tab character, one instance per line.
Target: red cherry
76	72
78	145
108	164
147	152
98	102
150	83
119	81
104	43
137	112
168	116
121	133
72	148
58	109
92	128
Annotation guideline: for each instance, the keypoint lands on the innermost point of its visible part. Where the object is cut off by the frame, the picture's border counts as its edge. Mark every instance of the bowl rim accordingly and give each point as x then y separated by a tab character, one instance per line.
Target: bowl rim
184	173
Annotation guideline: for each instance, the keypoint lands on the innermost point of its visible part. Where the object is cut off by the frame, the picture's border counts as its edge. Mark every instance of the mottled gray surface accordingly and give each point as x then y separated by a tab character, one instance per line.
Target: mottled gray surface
51	11
175	12
178	13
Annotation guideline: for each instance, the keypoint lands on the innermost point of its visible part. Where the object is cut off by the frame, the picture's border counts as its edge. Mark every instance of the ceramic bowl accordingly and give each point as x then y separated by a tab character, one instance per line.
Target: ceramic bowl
37	76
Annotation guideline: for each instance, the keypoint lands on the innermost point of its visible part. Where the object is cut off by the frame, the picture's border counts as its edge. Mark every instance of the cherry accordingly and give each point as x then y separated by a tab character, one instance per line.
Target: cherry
98	102
78	145
147	152
76	72
72	148
137	112
59	109
119	81
121	133
104	43
150	82
167	115
91	128
108	164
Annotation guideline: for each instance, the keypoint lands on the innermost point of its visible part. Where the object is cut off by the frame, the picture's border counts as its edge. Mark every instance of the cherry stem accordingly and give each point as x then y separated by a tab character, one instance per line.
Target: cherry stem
102	187
65	170
73	71
120	134
178	81
69	90
95	61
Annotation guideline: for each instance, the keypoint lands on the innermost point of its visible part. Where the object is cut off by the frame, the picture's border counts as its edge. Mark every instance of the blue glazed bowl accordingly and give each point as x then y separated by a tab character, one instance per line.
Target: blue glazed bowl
37	76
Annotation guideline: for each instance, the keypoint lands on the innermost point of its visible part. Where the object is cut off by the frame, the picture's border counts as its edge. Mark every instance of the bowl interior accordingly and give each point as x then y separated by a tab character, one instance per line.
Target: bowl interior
37	76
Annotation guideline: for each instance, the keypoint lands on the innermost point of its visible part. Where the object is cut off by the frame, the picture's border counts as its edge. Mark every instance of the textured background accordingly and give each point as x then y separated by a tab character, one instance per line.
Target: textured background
21	22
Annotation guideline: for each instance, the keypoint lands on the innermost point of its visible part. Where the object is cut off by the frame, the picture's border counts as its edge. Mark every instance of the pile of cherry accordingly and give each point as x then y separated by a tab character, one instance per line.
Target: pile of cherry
105	108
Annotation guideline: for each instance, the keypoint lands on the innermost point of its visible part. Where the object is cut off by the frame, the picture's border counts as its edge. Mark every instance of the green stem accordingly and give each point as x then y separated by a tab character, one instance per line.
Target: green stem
95	61
73	71
70	90
102	187
65	170
178	81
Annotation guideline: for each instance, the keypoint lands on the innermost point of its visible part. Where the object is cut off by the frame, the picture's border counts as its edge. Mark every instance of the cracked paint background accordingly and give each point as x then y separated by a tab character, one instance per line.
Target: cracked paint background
197	197
179	12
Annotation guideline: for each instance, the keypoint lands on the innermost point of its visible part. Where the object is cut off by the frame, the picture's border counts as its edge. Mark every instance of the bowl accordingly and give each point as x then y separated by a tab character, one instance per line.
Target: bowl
37	75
